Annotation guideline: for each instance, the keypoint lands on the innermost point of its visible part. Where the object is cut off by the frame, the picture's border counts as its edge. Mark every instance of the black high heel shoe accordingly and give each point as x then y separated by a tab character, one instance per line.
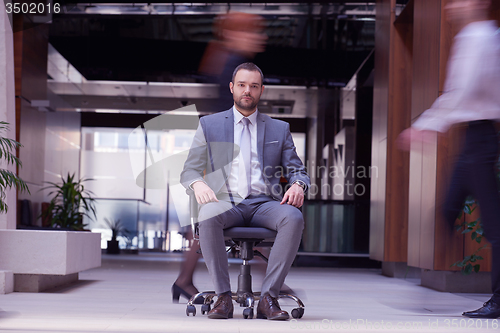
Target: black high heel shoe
178	291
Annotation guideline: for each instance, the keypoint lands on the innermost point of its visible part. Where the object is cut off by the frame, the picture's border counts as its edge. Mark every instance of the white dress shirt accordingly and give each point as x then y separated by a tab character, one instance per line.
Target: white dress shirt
472	86
258	185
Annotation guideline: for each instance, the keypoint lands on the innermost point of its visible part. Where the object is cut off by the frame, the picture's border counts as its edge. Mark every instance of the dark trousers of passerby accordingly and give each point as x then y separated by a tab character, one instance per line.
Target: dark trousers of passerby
475	174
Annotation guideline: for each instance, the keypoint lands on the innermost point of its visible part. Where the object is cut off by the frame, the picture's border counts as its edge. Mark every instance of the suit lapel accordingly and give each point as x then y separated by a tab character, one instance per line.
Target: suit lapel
261	130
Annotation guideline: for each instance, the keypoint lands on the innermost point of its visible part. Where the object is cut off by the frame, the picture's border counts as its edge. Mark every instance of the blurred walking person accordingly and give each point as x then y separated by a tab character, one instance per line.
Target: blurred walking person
238	39
471	96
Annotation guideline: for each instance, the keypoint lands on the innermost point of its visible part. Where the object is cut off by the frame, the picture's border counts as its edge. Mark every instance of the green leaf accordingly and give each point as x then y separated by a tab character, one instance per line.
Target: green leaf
468	269
472	224
9	179
473	235
476	268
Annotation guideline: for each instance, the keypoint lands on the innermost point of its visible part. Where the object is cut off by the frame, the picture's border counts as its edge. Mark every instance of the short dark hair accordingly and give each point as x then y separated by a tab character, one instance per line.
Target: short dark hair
249	66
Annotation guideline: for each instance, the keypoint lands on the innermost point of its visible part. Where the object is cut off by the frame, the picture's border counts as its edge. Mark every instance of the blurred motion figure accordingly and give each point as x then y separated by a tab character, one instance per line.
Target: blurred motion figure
471	96
238	38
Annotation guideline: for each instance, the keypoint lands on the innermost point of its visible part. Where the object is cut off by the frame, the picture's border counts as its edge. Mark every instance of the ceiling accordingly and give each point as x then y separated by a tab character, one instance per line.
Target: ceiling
111	56
319	44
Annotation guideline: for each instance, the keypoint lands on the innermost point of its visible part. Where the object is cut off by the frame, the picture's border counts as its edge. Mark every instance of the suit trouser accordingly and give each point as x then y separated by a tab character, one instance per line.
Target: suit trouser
475	174
254	211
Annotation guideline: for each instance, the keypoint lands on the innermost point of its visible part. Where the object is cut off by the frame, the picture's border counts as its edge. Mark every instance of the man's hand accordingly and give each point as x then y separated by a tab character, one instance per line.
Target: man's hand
203	193
294	196
410	135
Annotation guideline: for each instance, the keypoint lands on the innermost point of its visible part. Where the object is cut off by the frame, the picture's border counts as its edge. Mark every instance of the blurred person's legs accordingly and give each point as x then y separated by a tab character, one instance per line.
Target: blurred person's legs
475	174
458	190
485	190
183	285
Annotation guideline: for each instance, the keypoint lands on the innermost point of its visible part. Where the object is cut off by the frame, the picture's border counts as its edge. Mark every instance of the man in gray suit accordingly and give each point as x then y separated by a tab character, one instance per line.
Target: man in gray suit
243	155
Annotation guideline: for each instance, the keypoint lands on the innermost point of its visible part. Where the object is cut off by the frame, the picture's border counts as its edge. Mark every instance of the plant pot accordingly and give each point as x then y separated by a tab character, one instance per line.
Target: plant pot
113	247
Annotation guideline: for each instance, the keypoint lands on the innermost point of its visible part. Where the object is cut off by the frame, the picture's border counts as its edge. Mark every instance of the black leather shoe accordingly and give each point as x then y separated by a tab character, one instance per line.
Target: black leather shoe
490	310
269	308
223	308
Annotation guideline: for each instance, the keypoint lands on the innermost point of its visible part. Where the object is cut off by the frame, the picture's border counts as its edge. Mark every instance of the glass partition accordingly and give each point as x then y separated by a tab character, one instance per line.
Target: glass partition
153	218
335	227
123	211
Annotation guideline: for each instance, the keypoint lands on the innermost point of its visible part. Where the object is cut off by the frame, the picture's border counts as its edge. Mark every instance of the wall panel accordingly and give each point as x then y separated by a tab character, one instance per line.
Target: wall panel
392	105
384	20
425	89
397	160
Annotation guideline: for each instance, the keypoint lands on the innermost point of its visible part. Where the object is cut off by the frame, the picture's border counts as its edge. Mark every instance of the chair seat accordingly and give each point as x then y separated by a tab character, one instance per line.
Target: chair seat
250	232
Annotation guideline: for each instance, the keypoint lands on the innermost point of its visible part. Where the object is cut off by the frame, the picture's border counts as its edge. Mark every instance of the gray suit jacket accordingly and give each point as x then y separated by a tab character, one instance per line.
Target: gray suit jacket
213	150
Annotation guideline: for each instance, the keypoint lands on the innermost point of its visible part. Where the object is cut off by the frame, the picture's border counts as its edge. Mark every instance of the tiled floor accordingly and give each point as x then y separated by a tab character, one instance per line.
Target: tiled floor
131	293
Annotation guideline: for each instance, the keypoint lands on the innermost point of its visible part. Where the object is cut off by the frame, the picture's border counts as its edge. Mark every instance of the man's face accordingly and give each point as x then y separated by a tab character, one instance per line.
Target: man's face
246	89
458	11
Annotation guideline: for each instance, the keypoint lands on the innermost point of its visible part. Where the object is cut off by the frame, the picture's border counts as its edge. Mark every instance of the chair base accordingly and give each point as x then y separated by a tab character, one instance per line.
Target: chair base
246	300
244	239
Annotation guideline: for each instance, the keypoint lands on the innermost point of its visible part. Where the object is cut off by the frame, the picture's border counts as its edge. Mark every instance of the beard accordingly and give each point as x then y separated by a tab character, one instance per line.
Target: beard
246	105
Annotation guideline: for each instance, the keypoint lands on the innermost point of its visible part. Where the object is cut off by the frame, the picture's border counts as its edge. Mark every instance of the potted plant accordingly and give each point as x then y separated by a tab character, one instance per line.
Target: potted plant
117	229
70	202
8	179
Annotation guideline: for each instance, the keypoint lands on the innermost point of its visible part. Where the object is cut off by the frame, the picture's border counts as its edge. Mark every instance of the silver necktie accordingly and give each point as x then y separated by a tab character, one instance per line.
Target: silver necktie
244	179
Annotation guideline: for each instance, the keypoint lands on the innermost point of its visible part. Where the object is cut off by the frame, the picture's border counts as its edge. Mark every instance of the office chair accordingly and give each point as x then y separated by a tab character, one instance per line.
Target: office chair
242	239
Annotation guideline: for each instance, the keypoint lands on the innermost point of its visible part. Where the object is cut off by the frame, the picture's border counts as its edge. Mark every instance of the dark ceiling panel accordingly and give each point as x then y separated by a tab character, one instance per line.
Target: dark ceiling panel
312	50
129	59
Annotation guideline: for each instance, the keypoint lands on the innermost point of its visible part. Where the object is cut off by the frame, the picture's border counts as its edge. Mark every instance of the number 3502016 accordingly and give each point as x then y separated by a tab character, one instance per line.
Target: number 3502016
32	8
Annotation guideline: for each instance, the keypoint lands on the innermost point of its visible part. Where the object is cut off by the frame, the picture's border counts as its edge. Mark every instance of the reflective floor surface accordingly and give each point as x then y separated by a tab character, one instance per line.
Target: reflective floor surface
131	293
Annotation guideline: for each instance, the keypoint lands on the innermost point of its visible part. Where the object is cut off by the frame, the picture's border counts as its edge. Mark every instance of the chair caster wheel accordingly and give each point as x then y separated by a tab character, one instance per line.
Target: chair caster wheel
190	309
205	308
298	313
248	313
